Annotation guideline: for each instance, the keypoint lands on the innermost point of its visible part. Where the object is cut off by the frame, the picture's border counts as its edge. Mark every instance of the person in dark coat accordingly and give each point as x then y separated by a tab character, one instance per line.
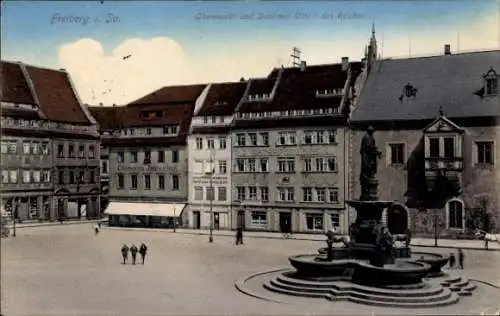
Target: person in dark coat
133	251
452	260
461	258
125	253
239	236
408	237
143	250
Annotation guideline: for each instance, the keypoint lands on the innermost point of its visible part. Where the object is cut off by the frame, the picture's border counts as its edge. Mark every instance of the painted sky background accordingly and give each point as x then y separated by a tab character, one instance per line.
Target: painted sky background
174	43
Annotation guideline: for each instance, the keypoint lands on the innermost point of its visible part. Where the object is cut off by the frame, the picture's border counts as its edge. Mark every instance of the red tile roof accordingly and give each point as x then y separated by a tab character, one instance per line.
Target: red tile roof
52	89
296	89
173	114
108	117
173	94
14	87
222	98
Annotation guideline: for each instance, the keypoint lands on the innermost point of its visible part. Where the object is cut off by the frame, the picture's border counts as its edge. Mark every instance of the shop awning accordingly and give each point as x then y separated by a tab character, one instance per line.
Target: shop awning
145	209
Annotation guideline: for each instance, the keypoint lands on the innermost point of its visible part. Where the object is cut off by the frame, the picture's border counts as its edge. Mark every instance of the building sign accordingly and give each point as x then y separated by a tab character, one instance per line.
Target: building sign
206	180
146	169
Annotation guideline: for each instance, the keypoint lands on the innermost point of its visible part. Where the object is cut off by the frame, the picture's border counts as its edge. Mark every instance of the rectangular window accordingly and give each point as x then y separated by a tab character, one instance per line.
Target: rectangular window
12	147
485	152
222	142
286	138
175	156
133	179
26	148
4	147
491	86
320	164
147	182
45	148
210	194
61	177
35	148
264	139
175	182
286	194
133	157
434	147
72	175
335	220
241	193
264	193
148	131
221	193
259	220
314	221
147	157
307	138
307	194
199	143
214	119
210	143
81	177
161	182
331	164
46	176
253	139
333	195
13	176
222	166
286	164
60	151
252	193
81	152
307	165
241	139
251	165
332	137
397	154
449	147
26	176
320	195
198	193
120	156
264	165
36	176
318	137
5	176
161	156
92	176
91	152
240	165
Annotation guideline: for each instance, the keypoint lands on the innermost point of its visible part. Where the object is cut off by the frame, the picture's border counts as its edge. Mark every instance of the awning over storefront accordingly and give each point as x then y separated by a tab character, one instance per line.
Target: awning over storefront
145	209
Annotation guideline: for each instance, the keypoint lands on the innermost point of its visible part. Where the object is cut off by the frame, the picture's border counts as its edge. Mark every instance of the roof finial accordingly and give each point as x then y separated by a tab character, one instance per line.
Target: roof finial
373	29
441	111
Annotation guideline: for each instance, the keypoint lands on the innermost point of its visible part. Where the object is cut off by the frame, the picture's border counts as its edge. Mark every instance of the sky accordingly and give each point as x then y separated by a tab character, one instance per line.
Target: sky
117	52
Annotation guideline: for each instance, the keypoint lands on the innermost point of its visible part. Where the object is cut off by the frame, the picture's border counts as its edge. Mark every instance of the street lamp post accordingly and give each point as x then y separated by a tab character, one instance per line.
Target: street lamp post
14	221
436	217
175	219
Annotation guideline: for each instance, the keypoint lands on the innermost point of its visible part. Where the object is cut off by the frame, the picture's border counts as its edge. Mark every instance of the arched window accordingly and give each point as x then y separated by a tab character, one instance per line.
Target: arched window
455	214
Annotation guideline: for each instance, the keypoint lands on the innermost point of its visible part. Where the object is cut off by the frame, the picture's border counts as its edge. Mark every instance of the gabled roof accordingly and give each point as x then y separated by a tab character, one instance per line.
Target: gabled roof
448	81
442	124
50	90
173	94
222	98
172	114
296	89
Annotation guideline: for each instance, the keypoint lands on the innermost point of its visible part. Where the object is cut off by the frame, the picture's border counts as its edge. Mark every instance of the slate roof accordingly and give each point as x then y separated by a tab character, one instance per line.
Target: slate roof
172	94
447	81
222	98
296	89
57	99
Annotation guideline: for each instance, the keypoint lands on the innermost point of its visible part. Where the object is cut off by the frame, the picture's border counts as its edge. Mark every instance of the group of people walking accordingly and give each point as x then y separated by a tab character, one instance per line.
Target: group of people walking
133	251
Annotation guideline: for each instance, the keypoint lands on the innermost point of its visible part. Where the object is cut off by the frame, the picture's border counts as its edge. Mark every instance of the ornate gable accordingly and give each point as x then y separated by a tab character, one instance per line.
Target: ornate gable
442	125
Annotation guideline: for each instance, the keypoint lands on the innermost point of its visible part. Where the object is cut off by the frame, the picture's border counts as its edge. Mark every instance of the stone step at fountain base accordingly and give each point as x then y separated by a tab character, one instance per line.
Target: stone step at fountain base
428	296
459	285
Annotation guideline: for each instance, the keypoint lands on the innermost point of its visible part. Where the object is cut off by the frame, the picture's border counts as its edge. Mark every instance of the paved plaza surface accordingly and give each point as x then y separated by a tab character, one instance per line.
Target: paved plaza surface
66	270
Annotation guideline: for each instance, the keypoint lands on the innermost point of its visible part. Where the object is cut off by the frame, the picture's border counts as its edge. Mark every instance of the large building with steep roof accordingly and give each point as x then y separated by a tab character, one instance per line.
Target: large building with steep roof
209	152
289	149
436	123
49	146
147	162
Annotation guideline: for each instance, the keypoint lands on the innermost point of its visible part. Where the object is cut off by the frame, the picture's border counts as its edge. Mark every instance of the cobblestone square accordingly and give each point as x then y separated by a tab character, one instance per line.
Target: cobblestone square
66	270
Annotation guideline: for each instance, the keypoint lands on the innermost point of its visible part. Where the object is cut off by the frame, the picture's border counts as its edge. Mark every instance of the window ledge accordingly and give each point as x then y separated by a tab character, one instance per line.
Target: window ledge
285	172
286	145
251	172
286	202
484	165
317	144
319	171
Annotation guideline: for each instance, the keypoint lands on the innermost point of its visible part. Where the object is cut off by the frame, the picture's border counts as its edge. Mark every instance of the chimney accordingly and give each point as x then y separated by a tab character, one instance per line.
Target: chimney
114	105
100	104
345	63
447	49
303	65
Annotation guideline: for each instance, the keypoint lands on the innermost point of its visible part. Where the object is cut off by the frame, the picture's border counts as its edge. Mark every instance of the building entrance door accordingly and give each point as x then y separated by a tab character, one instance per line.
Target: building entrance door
241	219
286	222
216	221
196	220
397	219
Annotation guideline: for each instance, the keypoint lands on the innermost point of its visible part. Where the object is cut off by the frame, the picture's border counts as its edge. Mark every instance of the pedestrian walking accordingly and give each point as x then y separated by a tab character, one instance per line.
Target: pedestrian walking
125	253
408	237
461	258
143	250
452	260
133	251
96	229
239	236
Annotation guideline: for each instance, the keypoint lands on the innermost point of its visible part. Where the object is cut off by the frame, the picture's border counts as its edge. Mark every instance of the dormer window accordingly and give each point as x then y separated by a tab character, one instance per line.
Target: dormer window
490	84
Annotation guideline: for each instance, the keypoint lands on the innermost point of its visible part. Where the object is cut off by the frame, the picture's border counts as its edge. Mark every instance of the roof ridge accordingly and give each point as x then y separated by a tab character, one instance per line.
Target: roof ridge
31	86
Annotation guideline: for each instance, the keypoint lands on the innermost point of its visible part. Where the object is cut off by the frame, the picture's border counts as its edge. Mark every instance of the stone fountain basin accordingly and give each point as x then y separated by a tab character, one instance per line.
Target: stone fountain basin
436	261
405	271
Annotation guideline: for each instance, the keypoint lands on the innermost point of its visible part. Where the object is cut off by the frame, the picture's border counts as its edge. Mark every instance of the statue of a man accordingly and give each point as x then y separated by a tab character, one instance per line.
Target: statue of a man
369	154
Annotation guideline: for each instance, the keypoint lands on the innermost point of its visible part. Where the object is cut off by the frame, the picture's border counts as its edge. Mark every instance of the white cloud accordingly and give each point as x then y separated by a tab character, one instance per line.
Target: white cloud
161	61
